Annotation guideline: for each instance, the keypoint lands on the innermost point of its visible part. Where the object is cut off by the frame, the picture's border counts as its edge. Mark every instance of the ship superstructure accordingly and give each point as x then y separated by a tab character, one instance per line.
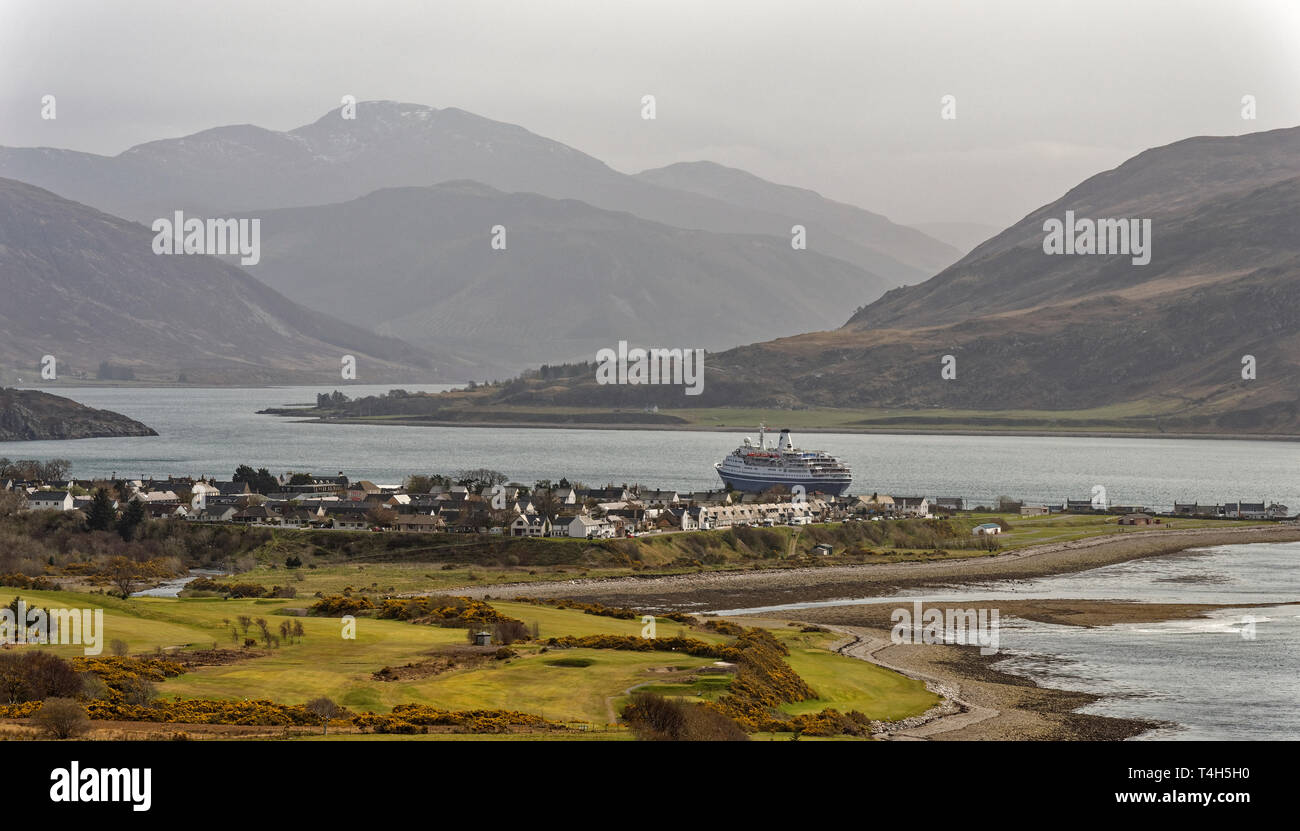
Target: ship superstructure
758	467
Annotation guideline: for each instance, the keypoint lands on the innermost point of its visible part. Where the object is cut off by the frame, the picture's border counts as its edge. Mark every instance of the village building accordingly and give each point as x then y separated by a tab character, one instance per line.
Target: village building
50	501
877	503
912	506
423	523
585	527
530	525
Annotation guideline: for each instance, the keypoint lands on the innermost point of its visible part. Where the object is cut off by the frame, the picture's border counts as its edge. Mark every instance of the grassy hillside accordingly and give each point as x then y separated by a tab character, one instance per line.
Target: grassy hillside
566	685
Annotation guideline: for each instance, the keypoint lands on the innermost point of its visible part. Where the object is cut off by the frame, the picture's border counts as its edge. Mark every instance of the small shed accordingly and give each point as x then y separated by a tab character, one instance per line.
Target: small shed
987	529
823	549
1138	519
482	638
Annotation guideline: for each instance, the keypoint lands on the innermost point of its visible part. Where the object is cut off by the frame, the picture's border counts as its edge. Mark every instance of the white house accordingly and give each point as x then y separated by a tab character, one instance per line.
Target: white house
204	490
214	513
530	525
915	506
584	527
49	501
688	518
987	529
155	497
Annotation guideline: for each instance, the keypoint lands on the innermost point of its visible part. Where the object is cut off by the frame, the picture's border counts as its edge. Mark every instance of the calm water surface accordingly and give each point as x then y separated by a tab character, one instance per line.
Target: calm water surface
210	431
1232	675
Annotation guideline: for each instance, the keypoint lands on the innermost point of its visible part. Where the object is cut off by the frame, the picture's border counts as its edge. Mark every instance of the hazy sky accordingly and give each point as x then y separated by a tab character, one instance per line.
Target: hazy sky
841	97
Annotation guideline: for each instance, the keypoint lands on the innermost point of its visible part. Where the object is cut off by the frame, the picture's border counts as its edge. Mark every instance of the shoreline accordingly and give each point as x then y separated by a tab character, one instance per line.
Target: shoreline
738	590
844	430
987	702
984	703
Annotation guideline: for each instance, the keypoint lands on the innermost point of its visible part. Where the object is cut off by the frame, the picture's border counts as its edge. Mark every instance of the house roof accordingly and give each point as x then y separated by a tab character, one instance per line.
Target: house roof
418	519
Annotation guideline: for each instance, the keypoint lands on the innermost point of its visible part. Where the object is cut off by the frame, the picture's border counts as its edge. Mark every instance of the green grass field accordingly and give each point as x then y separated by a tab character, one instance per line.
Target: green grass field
591	689
856	685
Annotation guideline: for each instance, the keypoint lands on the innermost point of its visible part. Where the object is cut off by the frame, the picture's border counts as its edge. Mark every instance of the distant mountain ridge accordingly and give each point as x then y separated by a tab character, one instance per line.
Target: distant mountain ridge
389	144
964	236
85	287
873	233
416	263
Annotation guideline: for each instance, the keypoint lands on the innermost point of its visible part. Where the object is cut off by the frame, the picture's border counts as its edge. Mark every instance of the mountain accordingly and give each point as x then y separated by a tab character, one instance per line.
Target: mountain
245	168
1164	344
30	415
913	255
418	263
963	236
85	287
1165	184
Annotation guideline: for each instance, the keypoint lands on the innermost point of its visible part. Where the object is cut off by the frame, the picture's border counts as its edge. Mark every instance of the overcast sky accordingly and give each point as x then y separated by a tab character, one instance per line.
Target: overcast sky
841	97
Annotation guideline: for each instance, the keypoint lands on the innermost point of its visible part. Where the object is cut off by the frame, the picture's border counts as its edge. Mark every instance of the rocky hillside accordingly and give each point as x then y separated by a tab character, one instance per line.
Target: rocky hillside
1169	341
30	415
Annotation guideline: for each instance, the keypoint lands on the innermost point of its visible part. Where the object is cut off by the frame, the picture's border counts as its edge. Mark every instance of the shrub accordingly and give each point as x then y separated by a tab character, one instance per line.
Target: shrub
406	716
655	718
509	630
336	605
62	718
36	675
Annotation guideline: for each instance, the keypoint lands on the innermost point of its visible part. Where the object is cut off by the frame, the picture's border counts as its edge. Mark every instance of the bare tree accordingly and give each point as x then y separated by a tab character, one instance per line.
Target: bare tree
124	574
11	502
324	709
265	630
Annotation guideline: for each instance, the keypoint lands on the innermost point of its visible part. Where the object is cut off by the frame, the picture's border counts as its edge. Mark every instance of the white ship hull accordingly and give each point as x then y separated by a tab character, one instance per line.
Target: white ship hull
756	469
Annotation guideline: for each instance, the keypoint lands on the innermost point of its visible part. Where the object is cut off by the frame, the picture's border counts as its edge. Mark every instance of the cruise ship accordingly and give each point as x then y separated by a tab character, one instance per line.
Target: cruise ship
758	468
